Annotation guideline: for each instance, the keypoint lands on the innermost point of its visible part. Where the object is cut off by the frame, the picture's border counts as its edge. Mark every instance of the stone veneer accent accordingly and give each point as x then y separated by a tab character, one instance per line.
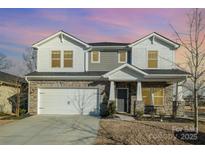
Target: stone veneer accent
34	85
167	108
104	87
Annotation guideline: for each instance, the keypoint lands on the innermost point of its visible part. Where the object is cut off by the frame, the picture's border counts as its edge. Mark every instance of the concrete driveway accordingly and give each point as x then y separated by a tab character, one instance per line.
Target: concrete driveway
50	129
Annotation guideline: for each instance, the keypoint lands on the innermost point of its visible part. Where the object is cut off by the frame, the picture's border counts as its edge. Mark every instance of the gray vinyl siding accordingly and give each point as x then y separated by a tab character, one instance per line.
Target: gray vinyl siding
108	61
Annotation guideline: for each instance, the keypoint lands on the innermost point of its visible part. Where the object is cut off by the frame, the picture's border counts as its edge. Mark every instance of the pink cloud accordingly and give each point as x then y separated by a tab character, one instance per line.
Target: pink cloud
24	35
133	21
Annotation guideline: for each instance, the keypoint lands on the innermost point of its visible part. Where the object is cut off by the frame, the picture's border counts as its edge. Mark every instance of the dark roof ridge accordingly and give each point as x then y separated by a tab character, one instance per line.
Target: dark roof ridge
107	43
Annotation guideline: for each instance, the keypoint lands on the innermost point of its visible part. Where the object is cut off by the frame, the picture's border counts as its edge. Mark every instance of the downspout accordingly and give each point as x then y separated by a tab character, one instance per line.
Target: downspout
86	59
28	92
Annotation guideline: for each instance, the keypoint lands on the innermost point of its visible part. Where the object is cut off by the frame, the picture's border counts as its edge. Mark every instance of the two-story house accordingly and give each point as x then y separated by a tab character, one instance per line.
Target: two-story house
73	76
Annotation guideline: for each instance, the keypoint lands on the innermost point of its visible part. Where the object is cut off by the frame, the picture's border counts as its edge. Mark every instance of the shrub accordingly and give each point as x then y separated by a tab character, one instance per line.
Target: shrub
162	115
22	112
139	114
103	109
107	108
111	108
104	106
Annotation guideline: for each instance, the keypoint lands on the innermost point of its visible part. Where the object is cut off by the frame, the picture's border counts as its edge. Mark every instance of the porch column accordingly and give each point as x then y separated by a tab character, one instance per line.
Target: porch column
139	91
112	91
178	92
152	97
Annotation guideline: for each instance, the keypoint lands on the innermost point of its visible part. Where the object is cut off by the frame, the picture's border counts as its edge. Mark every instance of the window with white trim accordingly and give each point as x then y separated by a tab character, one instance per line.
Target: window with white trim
158	96
156	93
95	56
56	59
152	59
122	56
68	58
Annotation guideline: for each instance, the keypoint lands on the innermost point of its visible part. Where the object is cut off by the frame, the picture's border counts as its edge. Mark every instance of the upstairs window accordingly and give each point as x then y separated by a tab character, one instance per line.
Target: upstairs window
56	59
122	56
152	59
68	58
95	56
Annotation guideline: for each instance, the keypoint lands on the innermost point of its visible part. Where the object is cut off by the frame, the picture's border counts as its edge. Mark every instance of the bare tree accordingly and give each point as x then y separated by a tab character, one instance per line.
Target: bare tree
30	58
20	90
193	41
4	63
18	99
82	102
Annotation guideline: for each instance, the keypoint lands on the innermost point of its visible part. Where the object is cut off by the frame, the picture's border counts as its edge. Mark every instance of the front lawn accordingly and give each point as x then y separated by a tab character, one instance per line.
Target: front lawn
148	132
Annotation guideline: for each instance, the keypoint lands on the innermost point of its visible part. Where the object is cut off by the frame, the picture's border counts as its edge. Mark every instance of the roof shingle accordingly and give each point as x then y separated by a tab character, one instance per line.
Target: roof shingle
164	71
90	73
108	44
5	77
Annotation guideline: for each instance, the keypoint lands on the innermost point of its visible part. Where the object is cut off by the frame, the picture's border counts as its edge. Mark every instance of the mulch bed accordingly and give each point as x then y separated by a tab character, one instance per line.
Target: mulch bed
145	132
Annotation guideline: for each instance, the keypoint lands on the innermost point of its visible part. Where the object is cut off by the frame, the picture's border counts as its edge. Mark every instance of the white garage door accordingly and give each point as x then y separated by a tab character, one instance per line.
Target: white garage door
68	101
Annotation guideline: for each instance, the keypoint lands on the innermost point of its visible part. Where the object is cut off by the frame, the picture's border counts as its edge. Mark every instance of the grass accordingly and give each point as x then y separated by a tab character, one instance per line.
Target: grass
146	132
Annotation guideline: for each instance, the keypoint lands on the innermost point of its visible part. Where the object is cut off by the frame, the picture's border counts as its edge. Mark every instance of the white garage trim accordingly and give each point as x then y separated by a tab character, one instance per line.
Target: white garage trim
69	98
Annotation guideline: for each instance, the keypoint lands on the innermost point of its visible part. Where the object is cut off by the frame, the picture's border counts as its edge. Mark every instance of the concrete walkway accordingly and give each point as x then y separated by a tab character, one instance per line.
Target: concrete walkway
125	117
44	130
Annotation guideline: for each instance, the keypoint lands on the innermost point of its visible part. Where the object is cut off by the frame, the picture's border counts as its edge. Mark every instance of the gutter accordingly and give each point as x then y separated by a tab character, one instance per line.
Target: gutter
30	78
108	47
166	75
26	79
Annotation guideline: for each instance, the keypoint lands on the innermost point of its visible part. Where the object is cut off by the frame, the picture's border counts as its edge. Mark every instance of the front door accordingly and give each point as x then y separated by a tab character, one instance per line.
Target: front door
122	100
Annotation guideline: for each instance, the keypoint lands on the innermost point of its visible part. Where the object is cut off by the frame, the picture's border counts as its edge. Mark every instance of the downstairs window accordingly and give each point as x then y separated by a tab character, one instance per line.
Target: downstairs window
153	96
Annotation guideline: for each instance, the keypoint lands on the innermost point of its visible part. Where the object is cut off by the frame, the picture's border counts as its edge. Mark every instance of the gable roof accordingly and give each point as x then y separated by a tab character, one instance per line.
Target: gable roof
108	44
9	78
123	66
175	44
61	32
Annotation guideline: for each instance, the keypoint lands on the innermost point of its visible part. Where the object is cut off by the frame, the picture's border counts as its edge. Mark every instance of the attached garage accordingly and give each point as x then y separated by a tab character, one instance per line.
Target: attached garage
68	101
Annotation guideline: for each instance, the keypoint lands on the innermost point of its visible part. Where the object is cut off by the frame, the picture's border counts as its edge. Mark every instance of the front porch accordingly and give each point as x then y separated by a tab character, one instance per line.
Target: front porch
148	97
136	90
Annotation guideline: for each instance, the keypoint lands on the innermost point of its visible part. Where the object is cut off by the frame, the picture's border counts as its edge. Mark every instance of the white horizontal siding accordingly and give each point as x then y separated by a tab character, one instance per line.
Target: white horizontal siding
166	56
44	56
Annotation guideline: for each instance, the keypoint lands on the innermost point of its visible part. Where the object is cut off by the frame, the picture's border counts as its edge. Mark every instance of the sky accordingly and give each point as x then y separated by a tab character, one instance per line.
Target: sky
20	28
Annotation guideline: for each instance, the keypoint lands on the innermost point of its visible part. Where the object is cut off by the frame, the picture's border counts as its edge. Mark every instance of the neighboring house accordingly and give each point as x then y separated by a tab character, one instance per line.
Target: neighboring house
189	99
9	87
73	76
